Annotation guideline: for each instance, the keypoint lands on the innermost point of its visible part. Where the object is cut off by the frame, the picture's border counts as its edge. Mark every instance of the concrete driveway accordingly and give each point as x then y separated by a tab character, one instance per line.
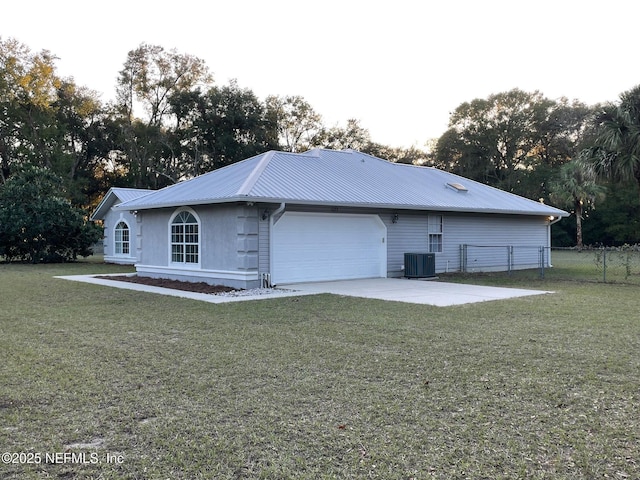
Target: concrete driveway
428	292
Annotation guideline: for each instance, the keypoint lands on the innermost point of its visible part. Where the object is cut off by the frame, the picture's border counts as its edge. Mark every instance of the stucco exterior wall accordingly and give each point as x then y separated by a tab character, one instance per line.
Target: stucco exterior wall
153	237
112	218
228	245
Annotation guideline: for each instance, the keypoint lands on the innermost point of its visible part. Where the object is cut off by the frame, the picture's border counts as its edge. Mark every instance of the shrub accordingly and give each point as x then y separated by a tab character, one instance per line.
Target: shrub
37	224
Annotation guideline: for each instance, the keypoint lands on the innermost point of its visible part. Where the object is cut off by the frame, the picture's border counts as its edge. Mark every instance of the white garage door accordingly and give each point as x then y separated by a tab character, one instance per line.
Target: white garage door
308	247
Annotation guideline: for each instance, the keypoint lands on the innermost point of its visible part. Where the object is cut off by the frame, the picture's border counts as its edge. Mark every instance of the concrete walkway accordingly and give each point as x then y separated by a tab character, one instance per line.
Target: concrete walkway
441	294
204	297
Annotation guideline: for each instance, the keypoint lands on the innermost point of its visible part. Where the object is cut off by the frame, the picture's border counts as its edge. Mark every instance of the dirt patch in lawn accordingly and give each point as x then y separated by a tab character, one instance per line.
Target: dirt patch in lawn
198	287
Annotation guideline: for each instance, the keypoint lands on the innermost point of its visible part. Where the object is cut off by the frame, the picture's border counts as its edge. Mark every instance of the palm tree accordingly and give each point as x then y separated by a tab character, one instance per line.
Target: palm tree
576	188
616	152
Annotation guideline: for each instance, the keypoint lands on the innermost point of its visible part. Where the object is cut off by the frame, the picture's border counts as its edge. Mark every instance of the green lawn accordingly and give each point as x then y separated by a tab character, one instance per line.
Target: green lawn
611	266
316	386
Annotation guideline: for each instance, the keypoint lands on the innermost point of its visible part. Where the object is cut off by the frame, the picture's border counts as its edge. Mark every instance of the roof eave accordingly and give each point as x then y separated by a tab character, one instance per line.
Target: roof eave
105	204
132	207
551	211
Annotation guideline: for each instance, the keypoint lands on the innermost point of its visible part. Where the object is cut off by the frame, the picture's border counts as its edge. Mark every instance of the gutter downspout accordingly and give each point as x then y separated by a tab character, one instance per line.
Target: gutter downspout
551	222
277	211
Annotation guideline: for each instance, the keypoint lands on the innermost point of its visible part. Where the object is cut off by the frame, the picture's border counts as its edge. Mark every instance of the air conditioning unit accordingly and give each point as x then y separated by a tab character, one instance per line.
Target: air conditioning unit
419	265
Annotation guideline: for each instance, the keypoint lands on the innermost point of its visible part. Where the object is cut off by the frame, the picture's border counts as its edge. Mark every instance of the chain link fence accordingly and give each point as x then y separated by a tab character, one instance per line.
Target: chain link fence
605	264
501	258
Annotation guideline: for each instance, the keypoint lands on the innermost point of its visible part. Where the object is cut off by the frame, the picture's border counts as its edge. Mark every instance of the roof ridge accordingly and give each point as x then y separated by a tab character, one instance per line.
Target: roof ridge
251	180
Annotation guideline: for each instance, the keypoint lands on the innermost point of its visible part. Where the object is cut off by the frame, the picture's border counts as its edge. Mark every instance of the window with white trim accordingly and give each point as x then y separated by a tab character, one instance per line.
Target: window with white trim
184	238
434	232
121	240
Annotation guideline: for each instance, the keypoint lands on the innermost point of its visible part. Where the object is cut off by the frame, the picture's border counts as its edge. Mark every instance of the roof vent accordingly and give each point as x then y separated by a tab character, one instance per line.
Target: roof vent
458	187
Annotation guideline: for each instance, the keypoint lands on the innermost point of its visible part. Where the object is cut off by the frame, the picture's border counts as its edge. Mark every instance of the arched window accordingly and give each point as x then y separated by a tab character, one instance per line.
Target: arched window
122	239
184	238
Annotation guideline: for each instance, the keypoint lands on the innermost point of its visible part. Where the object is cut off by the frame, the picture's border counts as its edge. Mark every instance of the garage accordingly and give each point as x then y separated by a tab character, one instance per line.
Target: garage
310	247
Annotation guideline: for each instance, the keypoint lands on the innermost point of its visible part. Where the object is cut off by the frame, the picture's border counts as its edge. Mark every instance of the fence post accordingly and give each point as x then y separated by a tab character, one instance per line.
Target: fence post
541	257
463	258
466	257
509	258
604	265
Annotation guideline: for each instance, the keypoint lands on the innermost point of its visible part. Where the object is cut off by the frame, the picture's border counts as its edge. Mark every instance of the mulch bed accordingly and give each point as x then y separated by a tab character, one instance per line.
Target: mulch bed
198	287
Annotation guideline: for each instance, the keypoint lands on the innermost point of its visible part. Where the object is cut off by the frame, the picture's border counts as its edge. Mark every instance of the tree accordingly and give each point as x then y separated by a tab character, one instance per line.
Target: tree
298	126
616	221
28	86
47	120
512	140
410	156
151	75
219	127
150	78
492	137
78	114
37	224
353	136
576	187
616	150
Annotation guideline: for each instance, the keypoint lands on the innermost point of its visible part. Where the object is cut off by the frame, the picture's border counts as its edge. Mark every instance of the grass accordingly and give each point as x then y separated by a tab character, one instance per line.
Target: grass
612	266
317	386
595	265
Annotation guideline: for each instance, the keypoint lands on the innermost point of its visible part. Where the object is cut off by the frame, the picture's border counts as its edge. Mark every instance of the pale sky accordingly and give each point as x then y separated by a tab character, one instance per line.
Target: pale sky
400	67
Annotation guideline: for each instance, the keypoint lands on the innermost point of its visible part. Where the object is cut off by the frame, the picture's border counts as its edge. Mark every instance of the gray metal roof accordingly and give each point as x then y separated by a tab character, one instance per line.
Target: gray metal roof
126	194
348	178
114	196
